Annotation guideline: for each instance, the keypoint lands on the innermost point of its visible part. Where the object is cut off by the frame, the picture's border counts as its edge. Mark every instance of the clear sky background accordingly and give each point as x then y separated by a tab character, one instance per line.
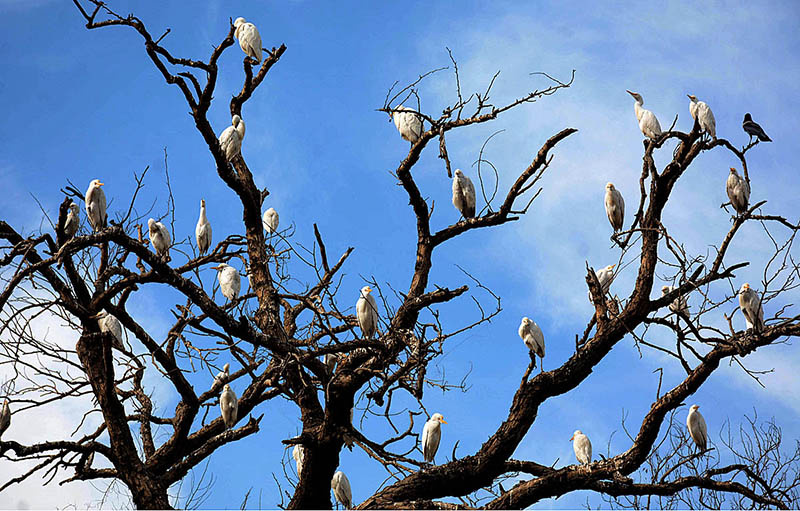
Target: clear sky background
84	104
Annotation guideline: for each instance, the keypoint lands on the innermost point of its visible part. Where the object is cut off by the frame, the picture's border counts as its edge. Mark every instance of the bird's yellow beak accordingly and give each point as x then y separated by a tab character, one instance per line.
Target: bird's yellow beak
612	266
443	421
100	184
369	289
215	267
732	168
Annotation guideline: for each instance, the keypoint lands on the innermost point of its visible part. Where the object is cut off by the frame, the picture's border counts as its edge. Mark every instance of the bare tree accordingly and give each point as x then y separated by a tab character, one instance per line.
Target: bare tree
275	334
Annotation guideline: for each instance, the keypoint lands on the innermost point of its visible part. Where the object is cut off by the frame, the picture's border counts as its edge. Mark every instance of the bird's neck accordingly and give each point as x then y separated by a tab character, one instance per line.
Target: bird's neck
637	107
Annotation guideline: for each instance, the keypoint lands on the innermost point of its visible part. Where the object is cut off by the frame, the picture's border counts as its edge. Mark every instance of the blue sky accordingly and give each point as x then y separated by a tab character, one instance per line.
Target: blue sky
84	104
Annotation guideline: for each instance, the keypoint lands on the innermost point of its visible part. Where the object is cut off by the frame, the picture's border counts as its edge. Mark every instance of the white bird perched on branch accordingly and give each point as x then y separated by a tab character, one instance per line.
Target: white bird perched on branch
705	117
202	232
299	455
697	427
679	304
408	123
249	38
532	336
230	140
159	237
229	281
96	205
367	313
341	489
108	323
431	436
582	447
750	303
229	406
5	418
73	220
223	375
270	220
648	122
738	191
604	276
615	207
463	194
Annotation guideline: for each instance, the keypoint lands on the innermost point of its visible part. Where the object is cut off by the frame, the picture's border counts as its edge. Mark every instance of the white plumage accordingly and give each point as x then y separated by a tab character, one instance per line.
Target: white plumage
159	237
110	324
341	489
270	220
299	455
738	191
750	303
230	140
697	427
229	406
202	232
230	283
648	122
96	205
223	375
532	336
431	436
367	312
615	207
408	123
604	276
73	220
5	418
249	38
681	303
705	117
582	447
463	194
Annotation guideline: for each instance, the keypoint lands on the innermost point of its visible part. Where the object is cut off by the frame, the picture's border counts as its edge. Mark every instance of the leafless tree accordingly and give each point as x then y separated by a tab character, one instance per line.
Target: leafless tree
275	334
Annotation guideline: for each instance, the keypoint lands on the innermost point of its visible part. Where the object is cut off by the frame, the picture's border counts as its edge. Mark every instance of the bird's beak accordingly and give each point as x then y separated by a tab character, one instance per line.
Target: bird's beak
444	421
690	96
612	266
95	316
629	92
100	184
573	436
215	267
369	289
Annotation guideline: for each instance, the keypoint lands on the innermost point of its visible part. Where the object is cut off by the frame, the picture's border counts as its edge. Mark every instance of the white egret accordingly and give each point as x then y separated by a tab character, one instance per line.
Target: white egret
582	447
431	436
202	232
615	207
270	220
229	406
230	283
299	455
330	360
705	117
223	375
648	122
738	191
697	427
532	336
230	140
5	418
408	123
679	304
341	489
73	220
110	324
249	38
463	194
96	205
159	237
604	276
367	312
750	303
753	129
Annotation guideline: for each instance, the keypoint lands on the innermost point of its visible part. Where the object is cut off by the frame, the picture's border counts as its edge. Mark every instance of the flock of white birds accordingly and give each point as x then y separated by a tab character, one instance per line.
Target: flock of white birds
410	125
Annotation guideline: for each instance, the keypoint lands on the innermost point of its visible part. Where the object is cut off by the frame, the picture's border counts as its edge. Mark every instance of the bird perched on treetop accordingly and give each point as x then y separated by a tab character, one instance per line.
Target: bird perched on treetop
159	237
463	194
648	122
230	283
96	205
750	303
367	312
738	192
582	447
408	123
615	207
73	220
752	128
229	406
249	38
431	436
230	140
705	117
532	336
697	427
270	220
202	232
